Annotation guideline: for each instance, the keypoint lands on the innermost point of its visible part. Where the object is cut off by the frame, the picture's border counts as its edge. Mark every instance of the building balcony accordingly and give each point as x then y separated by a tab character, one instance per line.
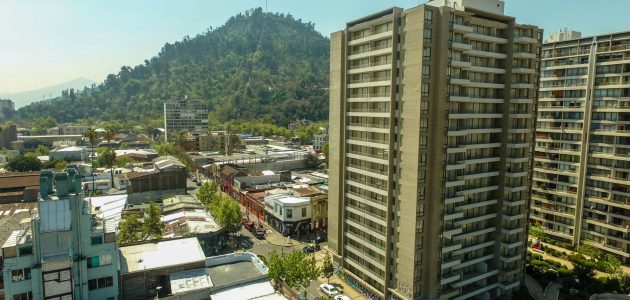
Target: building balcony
526	55
523	70
450	263
525	40
462	28
449	278
460	45
486	53
370	67
474	277
485	38
377	35
460	63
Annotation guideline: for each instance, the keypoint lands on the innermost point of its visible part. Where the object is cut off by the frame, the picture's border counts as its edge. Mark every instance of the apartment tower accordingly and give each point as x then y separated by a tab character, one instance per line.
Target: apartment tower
432	113
581	183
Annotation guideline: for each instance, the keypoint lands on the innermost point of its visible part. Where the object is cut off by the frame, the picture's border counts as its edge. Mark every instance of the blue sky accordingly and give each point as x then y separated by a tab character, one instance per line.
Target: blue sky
48	42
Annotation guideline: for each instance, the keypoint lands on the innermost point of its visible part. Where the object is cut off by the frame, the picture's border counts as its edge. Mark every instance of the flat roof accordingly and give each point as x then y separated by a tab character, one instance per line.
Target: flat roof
233	272
155	255
248	291
287	199
69	149
190	280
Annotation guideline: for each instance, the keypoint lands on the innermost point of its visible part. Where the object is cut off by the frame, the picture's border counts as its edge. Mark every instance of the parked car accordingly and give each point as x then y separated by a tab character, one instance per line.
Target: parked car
320	237
341	297
310	248
329	289
259	233
249	225
198	183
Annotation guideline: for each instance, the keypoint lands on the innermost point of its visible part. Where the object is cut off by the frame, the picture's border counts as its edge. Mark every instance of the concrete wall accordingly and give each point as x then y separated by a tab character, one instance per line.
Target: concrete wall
336	142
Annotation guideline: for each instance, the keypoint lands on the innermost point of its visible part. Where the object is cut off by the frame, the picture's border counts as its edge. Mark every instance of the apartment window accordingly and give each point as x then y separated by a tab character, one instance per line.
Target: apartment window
303	211
426	71
20	274
425	90
23	296
421	192
99	261
97	240
426	53
427	35
289	213
424	123
423	142
428	17
100	283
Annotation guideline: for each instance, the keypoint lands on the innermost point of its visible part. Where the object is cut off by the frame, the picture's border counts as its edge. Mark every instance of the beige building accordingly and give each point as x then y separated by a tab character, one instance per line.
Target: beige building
581	184
431	130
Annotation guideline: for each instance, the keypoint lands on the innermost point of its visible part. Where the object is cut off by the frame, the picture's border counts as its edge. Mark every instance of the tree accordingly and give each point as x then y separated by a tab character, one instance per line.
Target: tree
91	135
228	215
311	160
123	161
109	134
537	231
296	269
24	163
613	265
326	150
152	227
129	229
42	124
589	250
42	150
327	268
583	268
107	157
165	149
207	193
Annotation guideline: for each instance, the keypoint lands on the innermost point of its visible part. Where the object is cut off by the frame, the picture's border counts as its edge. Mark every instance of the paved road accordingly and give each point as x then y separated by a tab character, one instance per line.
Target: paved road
534	288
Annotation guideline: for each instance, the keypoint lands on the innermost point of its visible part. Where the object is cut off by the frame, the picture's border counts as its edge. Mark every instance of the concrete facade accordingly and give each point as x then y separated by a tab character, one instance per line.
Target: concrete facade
185	115
66	252
430	178
581	185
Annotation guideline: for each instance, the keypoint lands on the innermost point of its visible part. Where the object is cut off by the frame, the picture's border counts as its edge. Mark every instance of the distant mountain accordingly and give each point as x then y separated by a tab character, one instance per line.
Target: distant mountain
256	66
54	91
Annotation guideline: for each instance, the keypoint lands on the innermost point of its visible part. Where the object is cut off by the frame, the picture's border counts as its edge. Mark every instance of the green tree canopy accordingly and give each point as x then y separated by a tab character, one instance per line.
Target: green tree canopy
296	268
327	268
24	163
153	227
228	214
130	230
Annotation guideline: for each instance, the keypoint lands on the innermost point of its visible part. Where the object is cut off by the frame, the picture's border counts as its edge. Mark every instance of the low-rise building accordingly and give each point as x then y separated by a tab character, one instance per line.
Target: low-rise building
74	153
289	215
145	267
319	140
217	141
319	205
16	187
166	178
67	252
27	143
67	130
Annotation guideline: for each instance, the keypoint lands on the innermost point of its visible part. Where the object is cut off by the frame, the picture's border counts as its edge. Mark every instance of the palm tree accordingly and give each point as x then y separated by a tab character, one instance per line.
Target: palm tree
109	134
91	135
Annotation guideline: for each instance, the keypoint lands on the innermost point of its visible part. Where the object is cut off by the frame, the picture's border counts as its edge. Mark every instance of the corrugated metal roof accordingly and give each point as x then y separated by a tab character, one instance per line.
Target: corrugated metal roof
54	215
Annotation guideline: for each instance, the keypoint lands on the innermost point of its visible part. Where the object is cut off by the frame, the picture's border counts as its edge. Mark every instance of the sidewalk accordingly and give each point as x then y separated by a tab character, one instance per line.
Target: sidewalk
343	287
272	236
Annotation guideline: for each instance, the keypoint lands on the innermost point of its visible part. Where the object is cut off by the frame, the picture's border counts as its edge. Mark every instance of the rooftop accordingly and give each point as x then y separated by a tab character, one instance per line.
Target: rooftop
161	254
70	149
18	179
286	199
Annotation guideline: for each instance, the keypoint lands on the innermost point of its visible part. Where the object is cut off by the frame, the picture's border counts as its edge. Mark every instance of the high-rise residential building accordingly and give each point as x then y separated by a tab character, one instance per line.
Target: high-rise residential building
68	250
7	109
563	35
581	182
185	115
432	113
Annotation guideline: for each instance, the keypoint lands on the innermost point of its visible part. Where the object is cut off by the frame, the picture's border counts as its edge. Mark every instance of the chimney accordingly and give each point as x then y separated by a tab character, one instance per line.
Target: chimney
46	183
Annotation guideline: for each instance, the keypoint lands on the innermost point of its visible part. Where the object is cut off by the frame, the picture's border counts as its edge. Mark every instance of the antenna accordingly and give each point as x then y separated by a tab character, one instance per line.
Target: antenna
266	10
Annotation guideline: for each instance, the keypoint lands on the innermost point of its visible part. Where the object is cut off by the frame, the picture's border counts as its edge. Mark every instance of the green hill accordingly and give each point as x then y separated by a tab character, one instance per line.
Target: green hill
256	66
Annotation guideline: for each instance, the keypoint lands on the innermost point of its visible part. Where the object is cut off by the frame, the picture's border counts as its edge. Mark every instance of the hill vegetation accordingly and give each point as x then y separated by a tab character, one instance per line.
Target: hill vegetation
256	66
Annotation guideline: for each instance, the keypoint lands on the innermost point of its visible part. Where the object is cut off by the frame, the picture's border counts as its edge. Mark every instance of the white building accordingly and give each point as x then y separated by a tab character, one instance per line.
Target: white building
563	35
289	215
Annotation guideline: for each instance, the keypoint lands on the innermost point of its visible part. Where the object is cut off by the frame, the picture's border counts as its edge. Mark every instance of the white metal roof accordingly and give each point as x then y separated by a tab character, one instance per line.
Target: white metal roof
109	207
159	255
54	215
246	292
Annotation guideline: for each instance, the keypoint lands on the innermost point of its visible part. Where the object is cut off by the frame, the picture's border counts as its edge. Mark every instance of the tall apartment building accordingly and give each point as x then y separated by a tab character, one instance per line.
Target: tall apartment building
563	35
432	113
66	252
581	183
7	109
185	115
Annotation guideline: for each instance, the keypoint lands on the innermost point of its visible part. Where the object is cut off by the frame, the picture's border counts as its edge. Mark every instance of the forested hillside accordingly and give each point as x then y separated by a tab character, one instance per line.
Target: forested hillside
256	66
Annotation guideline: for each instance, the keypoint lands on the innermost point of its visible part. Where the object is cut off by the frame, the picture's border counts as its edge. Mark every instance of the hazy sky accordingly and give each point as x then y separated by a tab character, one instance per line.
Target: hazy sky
48	42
